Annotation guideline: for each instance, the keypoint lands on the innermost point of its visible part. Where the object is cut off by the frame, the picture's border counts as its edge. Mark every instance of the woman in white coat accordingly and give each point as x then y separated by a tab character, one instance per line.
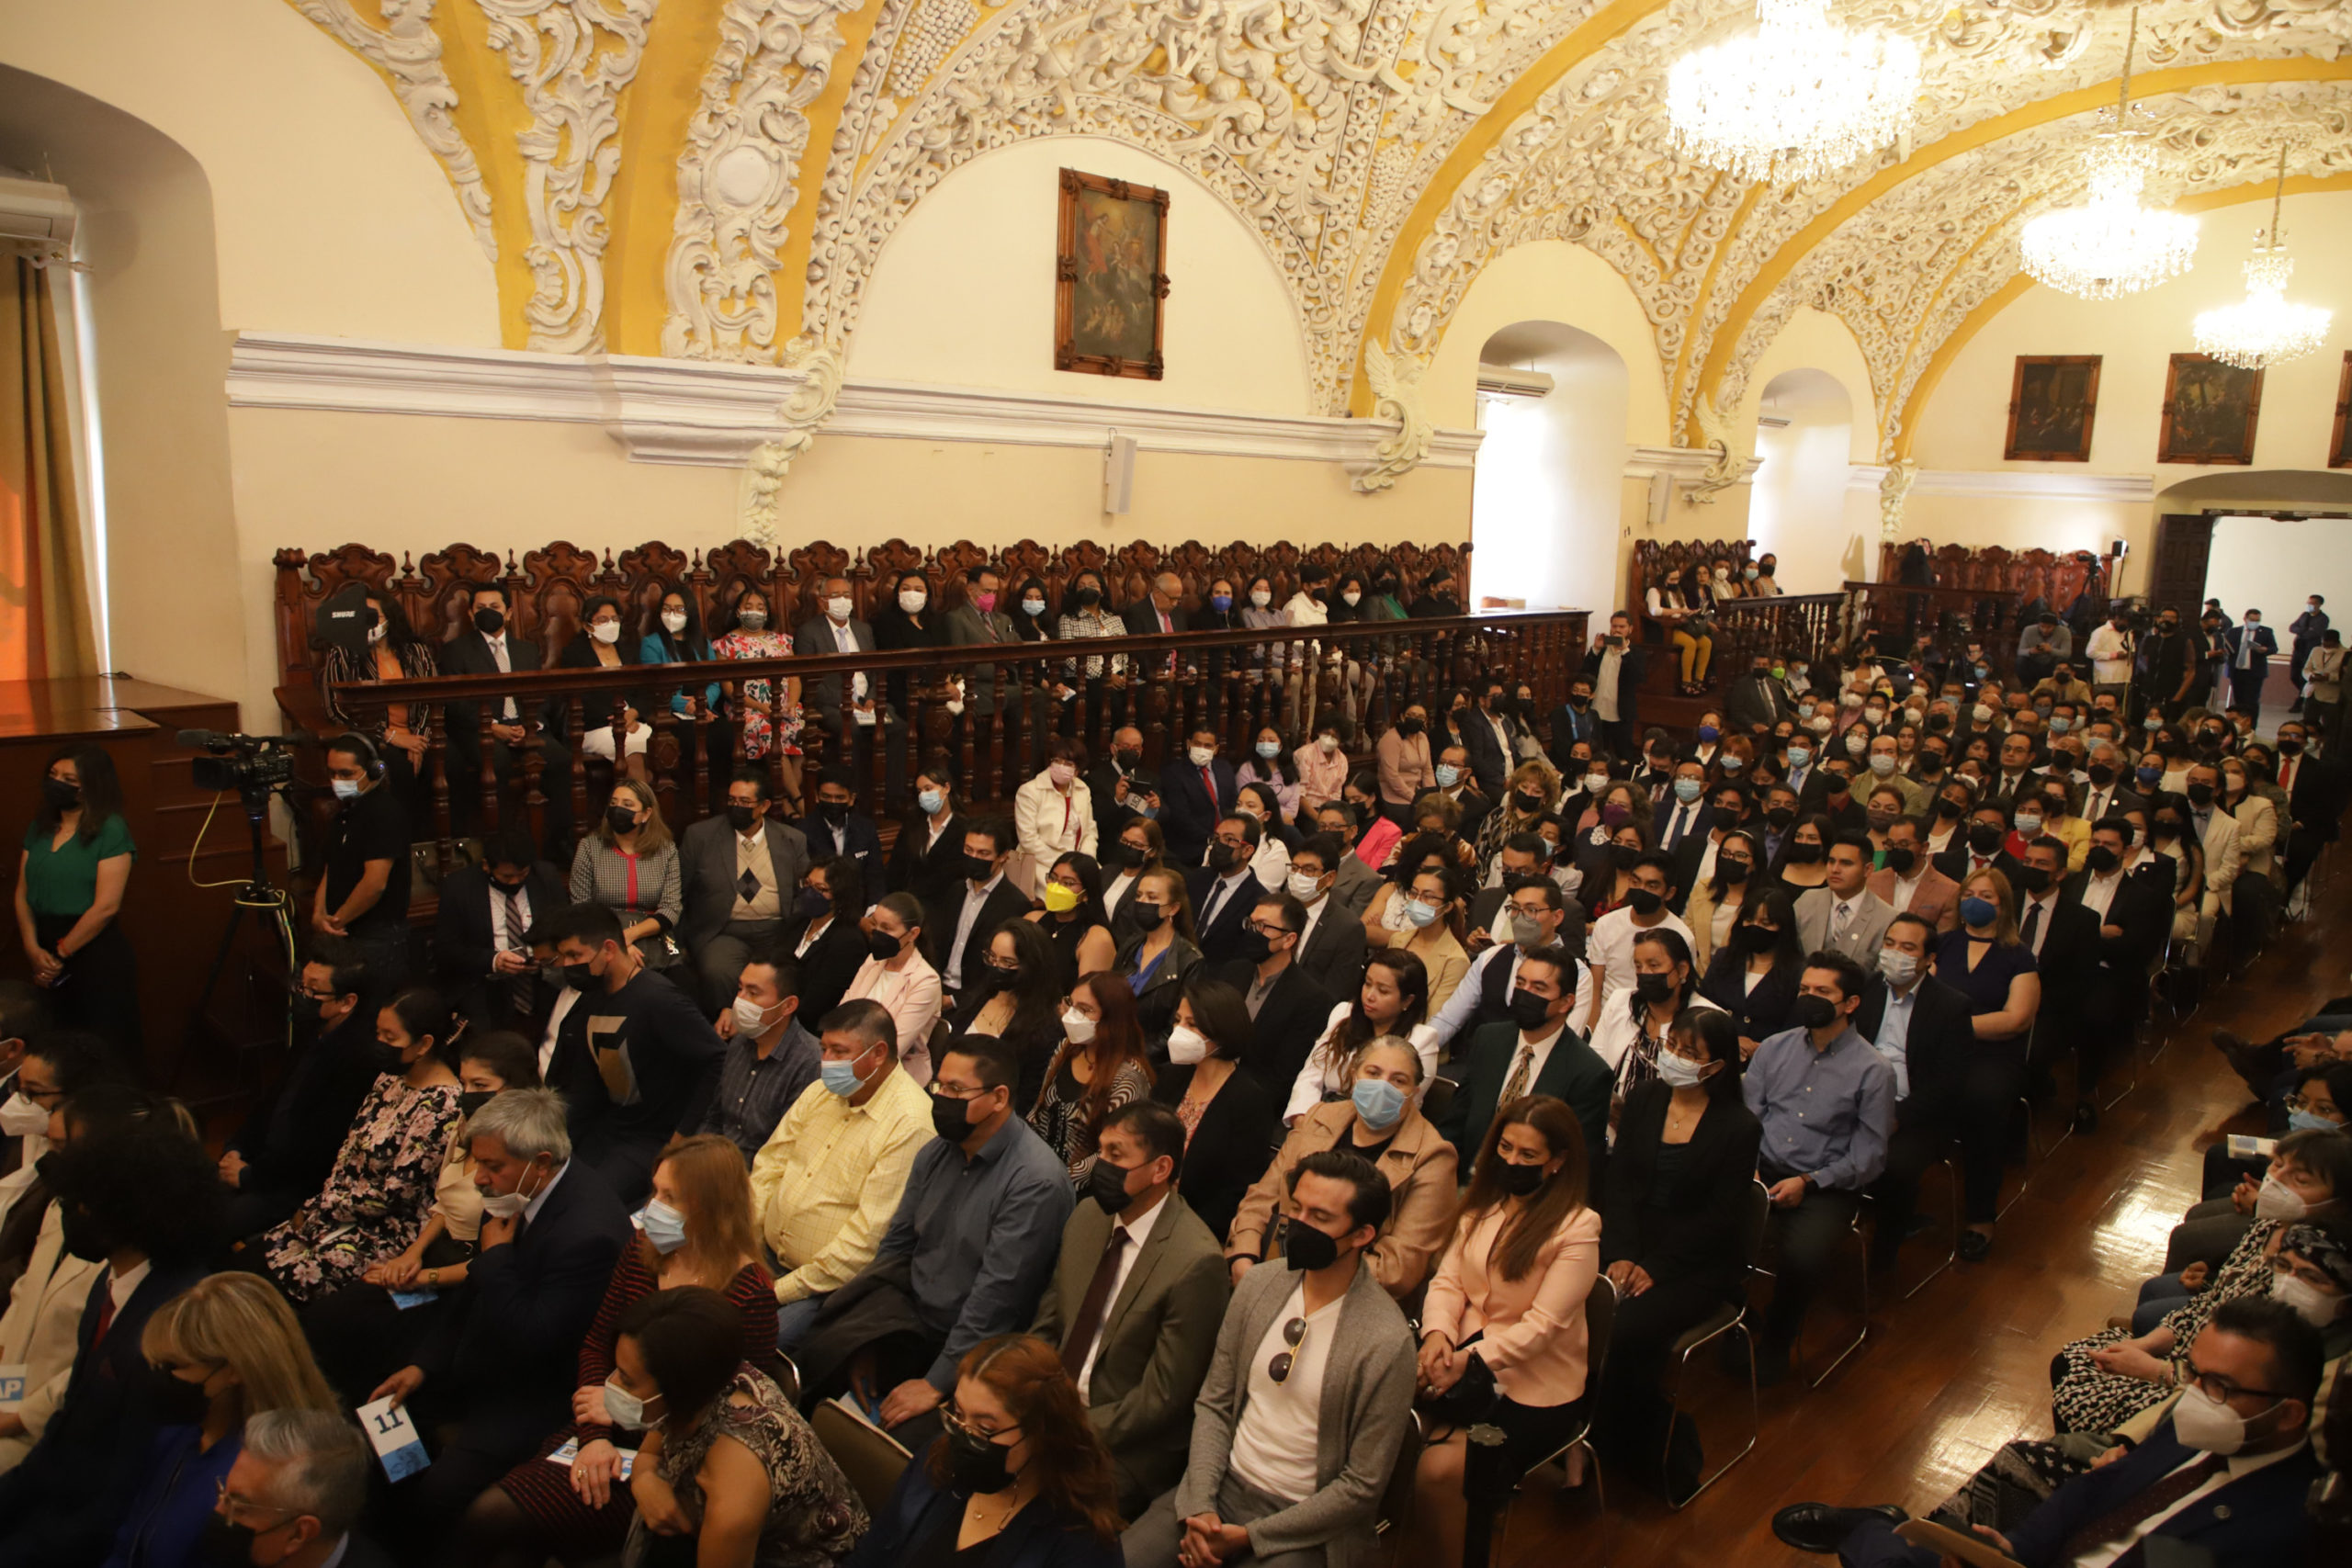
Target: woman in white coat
1054	813
43	1320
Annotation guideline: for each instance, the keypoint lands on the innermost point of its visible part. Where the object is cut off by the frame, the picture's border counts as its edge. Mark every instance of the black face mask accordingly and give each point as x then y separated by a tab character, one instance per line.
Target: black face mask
1642	901
473	1099
1148	915
1986	838
2200	793
1518	1181
621	819
1733	872
1653	988
1929	764
61	795
2290	747
80	1233
175	1401
979	868
976	1464
2030	879
2165	828
993	979
2102	773
1256	946
836	812
221	1544
1900	862
1306	1248
812	902
1579	703
1806	855
1948	809
1220	858
1755	939
1107	1185
1528	1011
1127	758
385	1058
882	945
1779	818
489	622
741	818
1812	1012
581	977
2101	859
1529	805
309	1010
951	1118
1409	726
1089	597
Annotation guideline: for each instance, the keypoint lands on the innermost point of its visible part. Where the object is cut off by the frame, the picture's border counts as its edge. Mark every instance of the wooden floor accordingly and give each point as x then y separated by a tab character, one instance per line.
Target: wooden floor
1950	1375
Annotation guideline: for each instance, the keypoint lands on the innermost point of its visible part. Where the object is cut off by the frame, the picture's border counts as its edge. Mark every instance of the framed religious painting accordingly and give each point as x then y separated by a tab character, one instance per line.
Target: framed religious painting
1110	277
2211	409
2053	398
2339	444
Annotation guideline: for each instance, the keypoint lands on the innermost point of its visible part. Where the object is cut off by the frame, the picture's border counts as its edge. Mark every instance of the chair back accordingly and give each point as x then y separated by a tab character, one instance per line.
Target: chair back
1436	1096
1396	1497
1599	1320
871	1460
1753	1222
935	1042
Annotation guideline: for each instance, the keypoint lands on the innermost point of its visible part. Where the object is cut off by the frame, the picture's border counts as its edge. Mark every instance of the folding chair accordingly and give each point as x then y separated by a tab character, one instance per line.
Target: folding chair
1730	1318
1482	1529
871	1460
1863	1277
1397	1498
1949	1166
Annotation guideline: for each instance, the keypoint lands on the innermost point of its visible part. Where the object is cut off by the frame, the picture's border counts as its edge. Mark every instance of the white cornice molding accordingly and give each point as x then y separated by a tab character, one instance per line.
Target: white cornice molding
1683	464
2020	484
712	414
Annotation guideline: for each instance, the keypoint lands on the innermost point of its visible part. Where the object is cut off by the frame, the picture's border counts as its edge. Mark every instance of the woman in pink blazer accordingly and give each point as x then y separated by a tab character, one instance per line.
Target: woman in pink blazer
1502	1333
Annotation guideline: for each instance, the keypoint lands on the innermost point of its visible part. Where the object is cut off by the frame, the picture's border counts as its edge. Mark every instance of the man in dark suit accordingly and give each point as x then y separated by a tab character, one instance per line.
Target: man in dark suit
1756	701
1535	1052
1536	916
300	1482
1573	721
1923	1029
2251	647
1137	1300
1333	951
1979	845
743	872
137	1193
2221	1479
957	928
1356	881
1158	613
1682	821
979	621
1491	736
2133	914
838	829
823	697
1615	666
1288	1010
481	949
283	1153
500	1363
1195	790
1225	890
2314	788
1119	786
489	647
2307	630
2077	1010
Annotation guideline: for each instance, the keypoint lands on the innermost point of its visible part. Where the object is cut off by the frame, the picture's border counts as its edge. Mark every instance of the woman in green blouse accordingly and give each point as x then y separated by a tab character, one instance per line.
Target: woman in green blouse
70	884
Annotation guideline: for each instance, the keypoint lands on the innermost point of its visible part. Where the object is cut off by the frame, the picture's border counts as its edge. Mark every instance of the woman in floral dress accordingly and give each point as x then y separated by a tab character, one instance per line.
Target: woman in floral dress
750	629
377	1197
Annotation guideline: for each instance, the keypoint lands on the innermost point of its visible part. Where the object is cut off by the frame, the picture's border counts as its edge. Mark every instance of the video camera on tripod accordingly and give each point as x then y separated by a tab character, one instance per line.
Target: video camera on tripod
253	765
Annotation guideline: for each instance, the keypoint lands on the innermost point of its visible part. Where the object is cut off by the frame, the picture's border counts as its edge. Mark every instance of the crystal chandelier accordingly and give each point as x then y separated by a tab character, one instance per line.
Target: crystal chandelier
2263	329
2111	245
1798	99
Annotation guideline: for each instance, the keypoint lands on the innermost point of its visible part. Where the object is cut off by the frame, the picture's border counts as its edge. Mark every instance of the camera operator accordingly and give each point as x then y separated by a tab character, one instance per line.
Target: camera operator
363	895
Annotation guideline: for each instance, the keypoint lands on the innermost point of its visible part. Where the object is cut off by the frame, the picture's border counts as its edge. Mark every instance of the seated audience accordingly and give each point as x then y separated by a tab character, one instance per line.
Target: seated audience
825	935
1263	1480
1047	1499
1392	1000
1609	947
496	1373
896	973
1380	1122
1054	812
825	1185
1224	889
1754	975
630	864
769	1058
375	1198
1287	1006
290	1140
615	722
1907	881
839	830
218	1353
481	932
1138	847
1073	920
364	891
958	925
1628	1035
1154	960
1019	1000
968	1252
1503	1338
39	1327
136	1193
1923	1029
1138	1245
1718	897
1826	1101
695	1231
1099	1067
928	859
740	874
1843	915
1428	903
644	1064
297	1487
1678	1178
1533	1052
1533	914
1224	1107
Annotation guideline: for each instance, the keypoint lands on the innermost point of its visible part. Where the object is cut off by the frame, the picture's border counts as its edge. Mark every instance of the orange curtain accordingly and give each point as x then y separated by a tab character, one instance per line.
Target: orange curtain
45	621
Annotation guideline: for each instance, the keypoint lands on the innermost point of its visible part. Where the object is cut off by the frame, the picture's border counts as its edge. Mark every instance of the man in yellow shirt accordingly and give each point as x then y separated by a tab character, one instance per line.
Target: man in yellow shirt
827	1181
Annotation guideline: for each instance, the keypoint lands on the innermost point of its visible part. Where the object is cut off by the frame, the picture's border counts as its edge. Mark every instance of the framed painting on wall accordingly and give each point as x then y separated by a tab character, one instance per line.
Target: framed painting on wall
1110	277
2053	399
2211	409
2339	445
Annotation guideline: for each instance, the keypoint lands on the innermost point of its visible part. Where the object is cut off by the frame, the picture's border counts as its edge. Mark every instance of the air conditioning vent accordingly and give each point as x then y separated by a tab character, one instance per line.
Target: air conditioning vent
1507	381
30	210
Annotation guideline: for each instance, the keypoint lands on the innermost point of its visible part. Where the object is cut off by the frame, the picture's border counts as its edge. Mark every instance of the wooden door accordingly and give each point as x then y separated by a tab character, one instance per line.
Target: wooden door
2177	581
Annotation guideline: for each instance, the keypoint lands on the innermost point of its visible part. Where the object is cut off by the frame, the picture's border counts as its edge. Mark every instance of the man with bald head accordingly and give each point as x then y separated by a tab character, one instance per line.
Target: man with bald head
1160	612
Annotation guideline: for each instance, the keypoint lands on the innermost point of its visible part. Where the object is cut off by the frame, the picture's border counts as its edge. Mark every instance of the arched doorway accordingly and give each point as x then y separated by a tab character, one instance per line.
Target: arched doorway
1804	426
1545	496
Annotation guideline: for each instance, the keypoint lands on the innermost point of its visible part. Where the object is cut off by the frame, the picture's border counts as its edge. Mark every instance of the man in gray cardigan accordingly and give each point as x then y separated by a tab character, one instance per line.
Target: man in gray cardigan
1308	1399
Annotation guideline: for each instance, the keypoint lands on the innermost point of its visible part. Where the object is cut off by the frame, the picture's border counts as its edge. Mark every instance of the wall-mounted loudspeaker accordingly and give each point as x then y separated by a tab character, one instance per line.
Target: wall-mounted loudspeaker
1119	474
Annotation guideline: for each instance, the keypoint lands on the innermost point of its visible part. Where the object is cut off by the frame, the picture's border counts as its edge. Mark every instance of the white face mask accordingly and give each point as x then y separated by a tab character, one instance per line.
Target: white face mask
1327	744
375	632
1186	1046
676	620
750	1018
1060	775
1303	888
1260	598
838	608
912	599
2312	1304
1677	1072
1351	596
1078	1027
605	631
1201	755
625	1408
2276	1200
510	1205
22	1117
1595	782
2203	1422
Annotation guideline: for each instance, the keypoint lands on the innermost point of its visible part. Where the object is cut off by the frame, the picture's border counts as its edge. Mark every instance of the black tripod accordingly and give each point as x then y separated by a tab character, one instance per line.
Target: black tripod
260	897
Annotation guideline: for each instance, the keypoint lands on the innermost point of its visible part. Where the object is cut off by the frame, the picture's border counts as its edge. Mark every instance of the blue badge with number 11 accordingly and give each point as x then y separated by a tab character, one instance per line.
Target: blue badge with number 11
397	1444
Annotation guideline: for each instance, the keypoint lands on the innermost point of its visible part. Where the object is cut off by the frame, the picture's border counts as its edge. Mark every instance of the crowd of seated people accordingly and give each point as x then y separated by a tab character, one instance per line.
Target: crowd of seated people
1087	1151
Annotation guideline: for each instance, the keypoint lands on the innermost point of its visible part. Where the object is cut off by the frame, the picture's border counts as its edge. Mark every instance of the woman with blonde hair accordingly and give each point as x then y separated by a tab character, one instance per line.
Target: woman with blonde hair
1532	791
630	864
695	1230
225	1348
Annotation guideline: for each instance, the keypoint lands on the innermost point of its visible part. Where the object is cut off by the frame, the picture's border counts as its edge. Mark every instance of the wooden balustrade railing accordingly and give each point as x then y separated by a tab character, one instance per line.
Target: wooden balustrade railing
1232	683
1806	626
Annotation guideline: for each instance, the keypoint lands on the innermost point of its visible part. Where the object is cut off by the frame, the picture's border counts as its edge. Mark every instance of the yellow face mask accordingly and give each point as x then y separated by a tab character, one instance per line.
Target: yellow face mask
1060	898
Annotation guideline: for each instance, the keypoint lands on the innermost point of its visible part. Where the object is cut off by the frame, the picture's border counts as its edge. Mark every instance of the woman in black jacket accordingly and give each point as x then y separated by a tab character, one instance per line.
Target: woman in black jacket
603	643
1754	975
905	617
1228	1111
823	934
1680	1181
928	859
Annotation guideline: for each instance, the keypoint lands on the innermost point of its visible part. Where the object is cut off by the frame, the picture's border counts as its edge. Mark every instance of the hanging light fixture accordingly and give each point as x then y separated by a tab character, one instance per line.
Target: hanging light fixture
1798	99
2111	245
2262	329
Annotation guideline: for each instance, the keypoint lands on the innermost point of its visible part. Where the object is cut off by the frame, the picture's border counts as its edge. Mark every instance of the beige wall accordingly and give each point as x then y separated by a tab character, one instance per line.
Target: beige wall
1549	280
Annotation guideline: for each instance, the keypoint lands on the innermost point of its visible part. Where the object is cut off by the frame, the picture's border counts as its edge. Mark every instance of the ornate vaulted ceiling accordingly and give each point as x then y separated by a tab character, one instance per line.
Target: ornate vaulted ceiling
716	179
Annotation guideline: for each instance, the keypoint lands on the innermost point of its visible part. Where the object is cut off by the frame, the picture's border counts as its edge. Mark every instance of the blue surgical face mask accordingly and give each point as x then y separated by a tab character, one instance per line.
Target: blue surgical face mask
1421	914
1447	776
2308	1122
1220	601
931	800
2060	725
1799	756
1708	733
1687	790
840	1077
1270	750
1979	911
662	1226
1378	1101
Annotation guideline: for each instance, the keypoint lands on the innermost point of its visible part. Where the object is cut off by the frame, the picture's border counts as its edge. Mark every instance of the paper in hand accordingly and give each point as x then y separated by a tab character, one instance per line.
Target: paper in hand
398	1447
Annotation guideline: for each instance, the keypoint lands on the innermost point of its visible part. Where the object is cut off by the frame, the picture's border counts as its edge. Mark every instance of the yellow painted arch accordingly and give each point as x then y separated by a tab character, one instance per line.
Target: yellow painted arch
2082	100
1916	406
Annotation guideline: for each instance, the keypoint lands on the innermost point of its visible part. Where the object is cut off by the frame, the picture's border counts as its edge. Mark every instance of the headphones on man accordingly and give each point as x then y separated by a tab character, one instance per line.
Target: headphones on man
359	746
